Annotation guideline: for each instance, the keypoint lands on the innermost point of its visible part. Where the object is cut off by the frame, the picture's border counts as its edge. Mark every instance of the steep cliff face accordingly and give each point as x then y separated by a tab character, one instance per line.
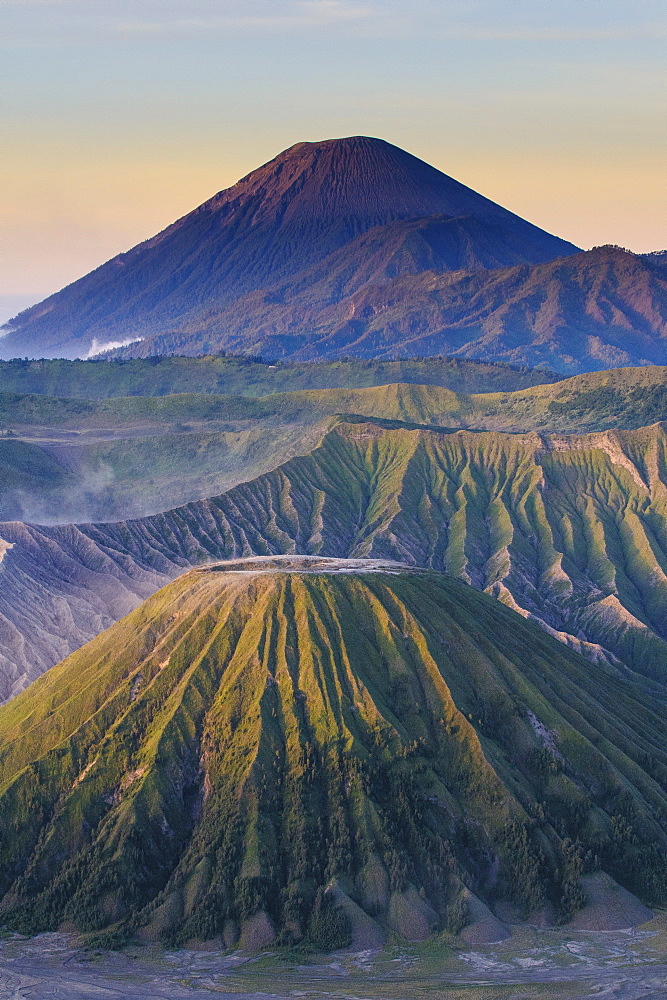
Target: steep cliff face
303	747
570	531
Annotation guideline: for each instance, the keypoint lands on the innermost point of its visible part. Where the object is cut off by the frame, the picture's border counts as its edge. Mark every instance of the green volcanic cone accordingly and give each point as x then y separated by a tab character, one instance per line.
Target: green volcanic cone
325	749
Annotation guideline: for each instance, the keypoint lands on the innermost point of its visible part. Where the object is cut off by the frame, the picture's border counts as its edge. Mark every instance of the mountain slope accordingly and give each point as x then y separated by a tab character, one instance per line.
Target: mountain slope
579	313
569	530
298	209
616	399
355	247
607	400
329	752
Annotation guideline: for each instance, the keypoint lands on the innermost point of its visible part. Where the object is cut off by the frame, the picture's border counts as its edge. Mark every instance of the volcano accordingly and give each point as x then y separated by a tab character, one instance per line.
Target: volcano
322	750
375	210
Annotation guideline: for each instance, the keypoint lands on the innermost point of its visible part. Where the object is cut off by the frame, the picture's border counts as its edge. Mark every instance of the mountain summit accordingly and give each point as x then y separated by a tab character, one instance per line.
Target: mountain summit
355	247
288	216
360	182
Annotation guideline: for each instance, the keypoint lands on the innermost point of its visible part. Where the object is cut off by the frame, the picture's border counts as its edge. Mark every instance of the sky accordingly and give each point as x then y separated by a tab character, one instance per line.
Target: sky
120	116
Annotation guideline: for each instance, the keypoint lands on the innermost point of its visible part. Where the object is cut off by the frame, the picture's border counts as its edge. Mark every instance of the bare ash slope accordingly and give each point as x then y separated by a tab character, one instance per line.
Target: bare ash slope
264	753
571	531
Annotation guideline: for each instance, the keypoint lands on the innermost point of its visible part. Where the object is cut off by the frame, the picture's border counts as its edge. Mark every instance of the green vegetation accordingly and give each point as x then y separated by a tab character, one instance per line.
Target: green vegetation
129	456
621	398
254	749
642	405
163	376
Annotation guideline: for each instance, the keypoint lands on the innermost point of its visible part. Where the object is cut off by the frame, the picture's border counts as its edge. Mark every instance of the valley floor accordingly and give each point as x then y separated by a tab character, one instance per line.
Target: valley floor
532	965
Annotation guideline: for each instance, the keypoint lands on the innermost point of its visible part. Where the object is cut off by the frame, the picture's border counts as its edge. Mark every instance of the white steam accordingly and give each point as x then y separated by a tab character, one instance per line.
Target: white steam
99	347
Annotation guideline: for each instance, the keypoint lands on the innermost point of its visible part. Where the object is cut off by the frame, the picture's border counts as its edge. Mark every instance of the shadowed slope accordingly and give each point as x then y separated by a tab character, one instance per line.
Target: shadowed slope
570	530
325	753
583	312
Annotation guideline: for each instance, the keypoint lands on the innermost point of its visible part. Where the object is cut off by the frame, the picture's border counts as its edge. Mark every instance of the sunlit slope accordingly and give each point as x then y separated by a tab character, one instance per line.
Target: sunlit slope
620	398
569	530
248	750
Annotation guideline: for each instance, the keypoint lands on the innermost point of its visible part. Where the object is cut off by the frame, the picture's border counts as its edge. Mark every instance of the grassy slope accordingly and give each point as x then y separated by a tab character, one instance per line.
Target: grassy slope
619	398
622	398
123	457
241	740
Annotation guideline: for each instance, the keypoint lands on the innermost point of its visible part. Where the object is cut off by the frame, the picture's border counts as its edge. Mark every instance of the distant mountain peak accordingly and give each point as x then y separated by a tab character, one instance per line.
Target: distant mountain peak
311	201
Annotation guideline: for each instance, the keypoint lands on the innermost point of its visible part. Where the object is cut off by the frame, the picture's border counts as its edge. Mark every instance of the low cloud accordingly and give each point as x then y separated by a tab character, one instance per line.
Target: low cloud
101	347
